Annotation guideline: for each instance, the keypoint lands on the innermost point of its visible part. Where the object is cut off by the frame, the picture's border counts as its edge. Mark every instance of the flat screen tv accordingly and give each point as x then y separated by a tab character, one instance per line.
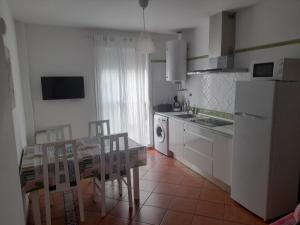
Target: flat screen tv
62	87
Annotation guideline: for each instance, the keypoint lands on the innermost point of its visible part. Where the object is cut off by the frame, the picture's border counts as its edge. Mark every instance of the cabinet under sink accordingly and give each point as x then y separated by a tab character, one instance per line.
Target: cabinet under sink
201	149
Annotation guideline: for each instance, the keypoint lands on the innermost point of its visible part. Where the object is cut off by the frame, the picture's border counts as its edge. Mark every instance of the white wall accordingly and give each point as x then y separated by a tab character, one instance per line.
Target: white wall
163	92
267	22
18	111
11	128
60	51
25	81
197	45
56	50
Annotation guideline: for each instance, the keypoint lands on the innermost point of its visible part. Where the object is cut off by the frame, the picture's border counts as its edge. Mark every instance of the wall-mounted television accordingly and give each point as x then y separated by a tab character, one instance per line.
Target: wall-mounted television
55	87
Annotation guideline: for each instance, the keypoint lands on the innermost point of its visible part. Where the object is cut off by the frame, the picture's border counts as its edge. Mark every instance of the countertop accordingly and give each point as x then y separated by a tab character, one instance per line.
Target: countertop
225	130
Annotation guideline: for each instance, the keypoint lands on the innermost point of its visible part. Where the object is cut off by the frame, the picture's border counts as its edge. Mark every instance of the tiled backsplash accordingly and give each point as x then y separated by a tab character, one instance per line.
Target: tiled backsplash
213	91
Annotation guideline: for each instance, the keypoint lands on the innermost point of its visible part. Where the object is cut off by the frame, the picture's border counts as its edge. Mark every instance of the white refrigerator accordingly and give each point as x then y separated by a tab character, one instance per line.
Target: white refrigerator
266	154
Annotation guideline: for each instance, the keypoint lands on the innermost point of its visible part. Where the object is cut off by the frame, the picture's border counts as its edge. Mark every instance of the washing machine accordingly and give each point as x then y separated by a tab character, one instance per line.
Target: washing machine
161	137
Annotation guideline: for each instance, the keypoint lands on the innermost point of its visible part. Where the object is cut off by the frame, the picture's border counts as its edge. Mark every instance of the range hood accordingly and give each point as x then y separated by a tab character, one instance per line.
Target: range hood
221	45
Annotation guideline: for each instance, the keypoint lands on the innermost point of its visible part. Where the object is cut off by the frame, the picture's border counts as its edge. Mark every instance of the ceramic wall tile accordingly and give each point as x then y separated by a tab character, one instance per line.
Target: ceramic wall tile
213	91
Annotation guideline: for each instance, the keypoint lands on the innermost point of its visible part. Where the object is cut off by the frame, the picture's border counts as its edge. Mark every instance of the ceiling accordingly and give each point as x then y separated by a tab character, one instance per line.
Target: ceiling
161	15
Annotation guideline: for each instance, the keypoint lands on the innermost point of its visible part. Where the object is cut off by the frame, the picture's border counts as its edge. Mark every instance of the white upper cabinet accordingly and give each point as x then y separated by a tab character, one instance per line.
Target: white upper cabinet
176	57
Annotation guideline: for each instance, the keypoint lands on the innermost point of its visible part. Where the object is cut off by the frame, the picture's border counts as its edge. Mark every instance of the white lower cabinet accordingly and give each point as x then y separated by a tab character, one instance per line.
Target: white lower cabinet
201	149
222	158
198	148
176	137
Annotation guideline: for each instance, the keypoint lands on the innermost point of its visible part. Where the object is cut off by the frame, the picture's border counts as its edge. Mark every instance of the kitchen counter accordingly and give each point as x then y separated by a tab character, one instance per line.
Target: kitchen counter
225	130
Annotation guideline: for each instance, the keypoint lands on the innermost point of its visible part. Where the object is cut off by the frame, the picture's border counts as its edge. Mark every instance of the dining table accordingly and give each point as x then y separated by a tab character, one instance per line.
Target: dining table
88	154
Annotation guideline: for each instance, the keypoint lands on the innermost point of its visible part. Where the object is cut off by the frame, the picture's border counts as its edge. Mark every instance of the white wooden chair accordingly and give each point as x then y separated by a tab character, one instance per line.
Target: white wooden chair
96	128
118	168
55	160
54	134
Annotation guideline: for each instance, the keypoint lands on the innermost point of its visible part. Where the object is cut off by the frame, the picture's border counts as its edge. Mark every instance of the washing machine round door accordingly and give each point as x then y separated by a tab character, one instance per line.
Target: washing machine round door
159	132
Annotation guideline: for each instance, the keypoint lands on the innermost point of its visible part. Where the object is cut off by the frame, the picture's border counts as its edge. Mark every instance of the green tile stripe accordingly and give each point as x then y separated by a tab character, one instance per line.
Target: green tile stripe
158	61
197	57
271	45
188	59
224	115
249	49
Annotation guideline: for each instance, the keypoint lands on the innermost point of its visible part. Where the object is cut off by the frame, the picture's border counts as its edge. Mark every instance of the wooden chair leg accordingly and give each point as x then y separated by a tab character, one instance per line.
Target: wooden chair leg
51	200
103	206
48	208
94	189
80	203
129	188
120	186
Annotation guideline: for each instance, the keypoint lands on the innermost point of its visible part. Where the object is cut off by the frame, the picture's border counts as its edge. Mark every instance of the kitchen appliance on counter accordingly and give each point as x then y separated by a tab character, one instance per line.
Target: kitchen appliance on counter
161	137
176	105
266	154
287	69
163	108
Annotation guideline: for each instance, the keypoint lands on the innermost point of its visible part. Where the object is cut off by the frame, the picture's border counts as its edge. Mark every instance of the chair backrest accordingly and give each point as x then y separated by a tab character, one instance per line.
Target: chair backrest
96	128
40	137
54	134
60	164
115	146
59	133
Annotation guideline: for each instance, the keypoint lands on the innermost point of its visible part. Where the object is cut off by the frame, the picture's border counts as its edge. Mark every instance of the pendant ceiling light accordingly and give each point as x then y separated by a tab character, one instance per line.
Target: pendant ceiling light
145	44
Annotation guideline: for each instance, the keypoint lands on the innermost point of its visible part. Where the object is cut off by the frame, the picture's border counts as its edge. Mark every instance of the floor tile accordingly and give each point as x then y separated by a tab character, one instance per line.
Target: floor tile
159	200
231	223
122	210
60	221
147	185
171	194
150	215
109	220
177	218
144	195
188	192
210	209
210	185
194	181
201	220
213	195
91	218
240	215
173	179
138	223
183	204
164	188
95	206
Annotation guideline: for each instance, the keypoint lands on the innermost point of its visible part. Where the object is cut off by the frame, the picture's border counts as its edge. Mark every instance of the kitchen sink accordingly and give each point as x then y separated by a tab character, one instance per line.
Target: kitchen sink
211	122
185	116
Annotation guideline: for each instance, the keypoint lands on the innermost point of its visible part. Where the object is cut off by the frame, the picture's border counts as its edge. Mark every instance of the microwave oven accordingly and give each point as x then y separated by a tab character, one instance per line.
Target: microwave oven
286	69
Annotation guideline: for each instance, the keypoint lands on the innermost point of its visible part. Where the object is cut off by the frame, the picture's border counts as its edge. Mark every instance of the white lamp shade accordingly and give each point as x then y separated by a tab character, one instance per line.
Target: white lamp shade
145	44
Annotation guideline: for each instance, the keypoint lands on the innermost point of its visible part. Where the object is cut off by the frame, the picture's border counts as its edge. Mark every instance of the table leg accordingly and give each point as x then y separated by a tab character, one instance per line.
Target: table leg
36	208
136	184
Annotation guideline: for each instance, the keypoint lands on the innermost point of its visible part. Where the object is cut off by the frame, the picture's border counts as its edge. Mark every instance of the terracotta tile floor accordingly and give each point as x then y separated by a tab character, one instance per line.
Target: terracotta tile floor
171	194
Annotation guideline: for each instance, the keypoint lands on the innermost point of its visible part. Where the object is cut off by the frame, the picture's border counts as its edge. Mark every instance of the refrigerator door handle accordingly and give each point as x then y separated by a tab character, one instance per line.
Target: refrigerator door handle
250	115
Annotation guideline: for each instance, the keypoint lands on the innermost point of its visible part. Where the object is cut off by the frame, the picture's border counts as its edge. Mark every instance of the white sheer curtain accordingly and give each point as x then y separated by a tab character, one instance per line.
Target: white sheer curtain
122	92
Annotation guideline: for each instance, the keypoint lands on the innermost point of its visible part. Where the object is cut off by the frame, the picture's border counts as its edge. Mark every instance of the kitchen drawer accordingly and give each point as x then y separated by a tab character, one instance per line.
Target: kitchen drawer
205	132
198	160
198	143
